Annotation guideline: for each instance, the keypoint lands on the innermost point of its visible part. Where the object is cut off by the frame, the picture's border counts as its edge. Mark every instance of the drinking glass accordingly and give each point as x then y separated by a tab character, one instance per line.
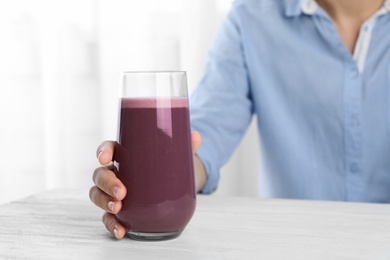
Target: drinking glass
154	157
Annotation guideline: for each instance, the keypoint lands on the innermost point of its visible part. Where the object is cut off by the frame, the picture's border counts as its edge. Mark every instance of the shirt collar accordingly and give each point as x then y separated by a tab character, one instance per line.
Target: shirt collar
385	8
386	5
292	8
310	7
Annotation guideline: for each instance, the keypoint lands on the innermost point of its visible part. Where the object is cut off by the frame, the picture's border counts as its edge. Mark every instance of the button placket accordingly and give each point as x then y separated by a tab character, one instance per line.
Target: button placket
353	131
352	108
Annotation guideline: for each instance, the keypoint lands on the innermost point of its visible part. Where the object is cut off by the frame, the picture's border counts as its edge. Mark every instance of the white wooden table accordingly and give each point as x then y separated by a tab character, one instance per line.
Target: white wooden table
66	225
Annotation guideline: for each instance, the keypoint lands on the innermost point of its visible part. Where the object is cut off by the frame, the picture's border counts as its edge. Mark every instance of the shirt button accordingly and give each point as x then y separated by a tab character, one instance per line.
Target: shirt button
354	73
354	167
355	121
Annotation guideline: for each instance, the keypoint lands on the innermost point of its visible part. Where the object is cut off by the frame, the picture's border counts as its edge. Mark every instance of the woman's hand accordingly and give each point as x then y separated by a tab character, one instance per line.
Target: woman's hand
109	191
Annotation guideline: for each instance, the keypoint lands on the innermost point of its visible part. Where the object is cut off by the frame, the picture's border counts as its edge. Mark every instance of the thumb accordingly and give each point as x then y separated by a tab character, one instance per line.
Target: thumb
105	152
196	141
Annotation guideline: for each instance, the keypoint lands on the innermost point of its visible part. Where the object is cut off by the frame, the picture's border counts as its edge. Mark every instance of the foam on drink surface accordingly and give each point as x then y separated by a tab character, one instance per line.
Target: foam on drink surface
174	102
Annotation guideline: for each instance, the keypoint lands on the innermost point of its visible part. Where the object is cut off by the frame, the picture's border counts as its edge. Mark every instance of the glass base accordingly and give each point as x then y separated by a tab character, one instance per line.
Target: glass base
142	236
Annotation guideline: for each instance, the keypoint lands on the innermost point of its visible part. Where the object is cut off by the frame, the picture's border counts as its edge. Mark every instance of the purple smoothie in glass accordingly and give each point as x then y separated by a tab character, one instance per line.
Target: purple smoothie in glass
156	164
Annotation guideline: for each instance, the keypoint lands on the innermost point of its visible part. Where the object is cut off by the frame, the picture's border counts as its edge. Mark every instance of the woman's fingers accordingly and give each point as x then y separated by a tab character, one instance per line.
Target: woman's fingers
109	190
113	226
104	201
106	180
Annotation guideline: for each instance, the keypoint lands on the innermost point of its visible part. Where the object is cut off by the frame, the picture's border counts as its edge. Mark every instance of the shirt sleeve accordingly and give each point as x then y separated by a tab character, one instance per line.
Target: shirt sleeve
221	106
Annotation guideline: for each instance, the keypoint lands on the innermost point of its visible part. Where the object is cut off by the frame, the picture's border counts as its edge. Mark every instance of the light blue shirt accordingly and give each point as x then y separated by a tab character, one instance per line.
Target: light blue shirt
323	113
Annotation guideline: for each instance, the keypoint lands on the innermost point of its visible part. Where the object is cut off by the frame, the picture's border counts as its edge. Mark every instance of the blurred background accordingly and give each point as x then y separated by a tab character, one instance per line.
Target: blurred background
60	65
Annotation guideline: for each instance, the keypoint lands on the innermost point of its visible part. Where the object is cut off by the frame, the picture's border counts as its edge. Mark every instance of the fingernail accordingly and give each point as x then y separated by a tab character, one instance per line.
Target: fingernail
115	192
99	153
116	232
111	206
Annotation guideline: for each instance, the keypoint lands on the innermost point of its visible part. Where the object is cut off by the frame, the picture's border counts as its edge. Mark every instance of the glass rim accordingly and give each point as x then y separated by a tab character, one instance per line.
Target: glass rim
154	72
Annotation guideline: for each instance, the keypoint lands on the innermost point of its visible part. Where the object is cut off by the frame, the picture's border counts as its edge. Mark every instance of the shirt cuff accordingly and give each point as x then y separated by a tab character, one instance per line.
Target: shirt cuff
212	172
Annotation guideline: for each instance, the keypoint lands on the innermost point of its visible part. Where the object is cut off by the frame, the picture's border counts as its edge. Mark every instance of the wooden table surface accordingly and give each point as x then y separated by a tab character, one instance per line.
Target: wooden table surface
66	225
